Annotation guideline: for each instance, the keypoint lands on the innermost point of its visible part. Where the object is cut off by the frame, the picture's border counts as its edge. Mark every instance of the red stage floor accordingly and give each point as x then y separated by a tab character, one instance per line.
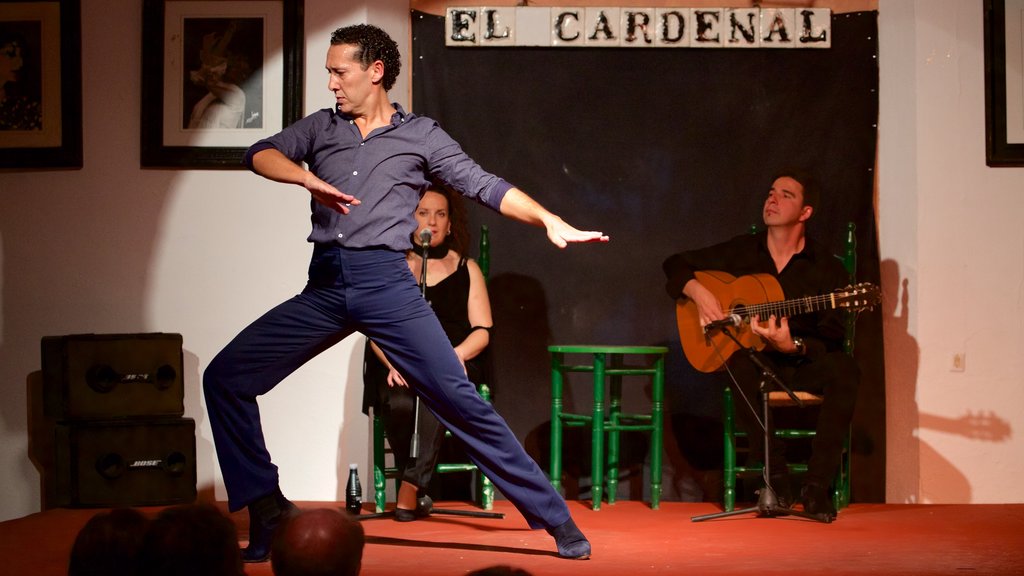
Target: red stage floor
629	538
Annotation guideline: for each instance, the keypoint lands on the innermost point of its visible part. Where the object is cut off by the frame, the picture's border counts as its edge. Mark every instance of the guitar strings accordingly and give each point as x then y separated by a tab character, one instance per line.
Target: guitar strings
790	307
854	297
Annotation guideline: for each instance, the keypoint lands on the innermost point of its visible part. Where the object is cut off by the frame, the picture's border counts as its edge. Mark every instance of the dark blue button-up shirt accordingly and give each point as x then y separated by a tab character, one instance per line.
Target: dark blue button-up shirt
387	171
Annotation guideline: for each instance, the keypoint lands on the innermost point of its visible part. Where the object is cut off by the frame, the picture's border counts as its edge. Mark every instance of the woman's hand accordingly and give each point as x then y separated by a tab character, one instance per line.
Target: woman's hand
462	358
396	379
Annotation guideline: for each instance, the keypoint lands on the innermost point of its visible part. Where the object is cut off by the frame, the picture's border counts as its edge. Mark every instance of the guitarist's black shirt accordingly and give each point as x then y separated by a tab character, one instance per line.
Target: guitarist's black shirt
813	271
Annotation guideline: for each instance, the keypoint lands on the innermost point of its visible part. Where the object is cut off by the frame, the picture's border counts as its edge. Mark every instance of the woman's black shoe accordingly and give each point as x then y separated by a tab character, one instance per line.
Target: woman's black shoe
403	515
424	506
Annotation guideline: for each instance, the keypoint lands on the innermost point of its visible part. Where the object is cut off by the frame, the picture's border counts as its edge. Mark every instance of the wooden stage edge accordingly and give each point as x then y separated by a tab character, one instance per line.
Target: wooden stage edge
629	537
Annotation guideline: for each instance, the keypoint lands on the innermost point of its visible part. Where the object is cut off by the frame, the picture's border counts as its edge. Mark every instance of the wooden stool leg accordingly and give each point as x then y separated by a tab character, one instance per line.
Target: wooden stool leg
614	441
486	486
841	493
556	421
597	434
729	453
657	422
486	492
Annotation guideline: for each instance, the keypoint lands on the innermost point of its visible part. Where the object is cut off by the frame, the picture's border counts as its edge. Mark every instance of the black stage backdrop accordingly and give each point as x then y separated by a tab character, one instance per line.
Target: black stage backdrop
663	150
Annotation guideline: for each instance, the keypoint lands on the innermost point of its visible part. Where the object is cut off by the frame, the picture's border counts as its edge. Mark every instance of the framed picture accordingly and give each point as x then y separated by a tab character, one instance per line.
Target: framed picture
41	75
1004	82
218	75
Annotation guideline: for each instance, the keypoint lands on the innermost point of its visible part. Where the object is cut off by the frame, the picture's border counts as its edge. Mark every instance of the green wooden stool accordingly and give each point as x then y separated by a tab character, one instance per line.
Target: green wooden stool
607	362
381	472
732	471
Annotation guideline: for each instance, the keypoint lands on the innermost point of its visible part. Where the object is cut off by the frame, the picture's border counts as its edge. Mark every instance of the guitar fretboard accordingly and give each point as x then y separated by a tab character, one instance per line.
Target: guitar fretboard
793	307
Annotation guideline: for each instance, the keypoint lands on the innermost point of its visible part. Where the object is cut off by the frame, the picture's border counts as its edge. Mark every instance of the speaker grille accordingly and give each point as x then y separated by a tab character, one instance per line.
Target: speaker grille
125	463
107	376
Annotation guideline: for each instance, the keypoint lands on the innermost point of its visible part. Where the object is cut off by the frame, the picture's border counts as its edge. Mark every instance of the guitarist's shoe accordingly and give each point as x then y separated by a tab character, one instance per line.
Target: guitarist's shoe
783	492
818	502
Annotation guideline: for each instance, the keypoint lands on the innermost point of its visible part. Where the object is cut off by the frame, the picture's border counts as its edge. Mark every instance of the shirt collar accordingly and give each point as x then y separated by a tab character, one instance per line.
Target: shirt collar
397	118
400	114
807	251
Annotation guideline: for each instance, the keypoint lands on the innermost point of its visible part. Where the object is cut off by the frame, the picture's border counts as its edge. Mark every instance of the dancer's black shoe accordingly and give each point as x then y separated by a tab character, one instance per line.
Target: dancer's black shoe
571	542
265	515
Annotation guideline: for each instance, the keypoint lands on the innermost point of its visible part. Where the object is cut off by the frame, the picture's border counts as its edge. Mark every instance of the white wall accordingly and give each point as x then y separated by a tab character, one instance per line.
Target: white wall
952	247
112	248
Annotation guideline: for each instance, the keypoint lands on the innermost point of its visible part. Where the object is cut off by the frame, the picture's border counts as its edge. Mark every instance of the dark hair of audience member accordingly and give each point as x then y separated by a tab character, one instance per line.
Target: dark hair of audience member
319	542
192	540
108	544
499	570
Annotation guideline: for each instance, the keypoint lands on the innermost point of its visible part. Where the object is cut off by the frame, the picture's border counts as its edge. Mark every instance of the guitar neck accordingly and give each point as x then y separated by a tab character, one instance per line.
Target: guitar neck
751	296
792	307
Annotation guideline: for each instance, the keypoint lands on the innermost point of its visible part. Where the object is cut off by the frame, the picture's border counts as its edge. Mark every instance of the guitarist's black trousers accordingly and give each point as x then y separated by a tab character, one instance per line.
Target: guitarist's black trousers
834	376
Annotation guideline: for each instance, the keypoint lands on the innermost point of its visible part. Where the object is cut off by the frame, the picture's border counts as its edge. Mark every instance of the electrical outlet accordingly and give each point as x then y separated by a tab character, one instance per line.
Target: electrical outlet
959	362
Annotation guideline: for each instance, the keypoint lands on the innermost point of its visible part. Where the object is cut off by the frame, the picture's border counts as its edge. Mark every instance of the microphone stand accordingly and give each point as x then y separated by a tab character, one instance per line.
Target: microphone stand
414	442
767	503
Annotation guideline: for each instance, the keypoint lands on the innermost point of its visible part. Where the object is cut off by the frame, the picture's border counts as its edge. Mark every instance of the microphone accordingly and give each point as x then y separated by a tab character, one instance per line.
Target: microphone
730	321
425	235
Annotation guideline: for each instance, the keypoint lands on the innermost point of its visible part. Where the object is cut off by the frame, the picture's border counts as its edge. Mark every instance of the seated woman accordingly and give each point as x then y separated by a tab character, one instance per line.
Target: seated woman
458	293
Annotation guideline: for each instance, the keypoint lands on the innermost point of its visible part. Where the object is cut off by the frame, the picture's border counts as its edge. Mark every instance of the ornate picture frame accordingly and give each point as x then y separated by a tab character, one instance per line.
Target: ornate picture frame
218	75
40	98
1004	96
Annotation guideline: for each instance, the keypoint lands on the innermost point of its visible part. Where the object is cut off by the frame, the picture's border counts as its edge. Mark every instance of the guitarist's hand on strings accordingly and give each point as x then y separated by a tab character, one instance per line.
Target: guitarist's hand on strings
775	332
709	309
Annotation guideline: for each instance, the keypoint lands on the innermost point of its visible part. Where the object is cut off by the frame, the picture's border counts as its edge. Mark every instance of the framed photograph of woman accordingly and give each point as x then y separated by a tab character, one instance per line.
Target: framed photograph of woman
219	75
1004	82
40	84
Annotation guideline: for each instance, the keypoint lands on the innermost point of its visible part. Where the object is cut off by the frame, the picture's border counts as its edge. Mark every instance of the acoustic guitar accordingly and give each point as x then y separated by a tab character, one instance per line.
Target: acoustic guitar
753	296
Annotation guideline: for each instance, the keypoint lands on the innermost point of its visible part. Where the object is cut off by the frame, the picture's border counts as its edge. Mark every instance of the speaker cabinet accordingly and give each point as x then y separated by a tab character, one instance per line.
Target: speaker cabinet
108	376
124	463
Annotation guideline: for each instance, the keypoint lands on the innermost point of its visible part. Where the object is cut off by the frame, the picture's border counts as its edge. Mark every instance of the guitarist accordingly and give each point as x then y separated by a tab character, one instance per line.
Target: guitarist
805	350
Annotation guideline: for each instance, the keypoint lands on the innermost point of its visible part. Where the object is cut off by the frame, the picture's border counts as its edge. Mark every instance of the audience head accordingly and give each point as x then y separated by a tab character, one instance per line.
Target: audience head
193	540
319	542
499	570
108	544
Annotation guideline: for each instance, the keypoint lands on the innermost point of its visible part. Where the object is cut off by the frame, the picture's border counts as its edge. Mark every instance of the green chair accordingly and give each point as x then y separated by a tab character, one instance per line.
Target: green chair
382	472
606	363
731	471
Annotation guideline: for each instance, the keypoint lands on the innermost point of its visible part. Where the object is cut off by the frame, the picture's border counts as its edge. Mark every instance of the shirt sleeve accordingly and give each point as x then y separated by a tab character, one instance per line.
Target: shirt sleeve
448	163
295	141
679	268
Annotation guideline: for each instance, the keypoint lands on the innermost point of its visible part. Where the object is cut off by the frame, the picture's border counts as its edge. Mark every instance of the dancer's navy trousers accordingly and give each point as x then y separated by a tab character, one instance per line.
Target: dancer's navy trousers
369	291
